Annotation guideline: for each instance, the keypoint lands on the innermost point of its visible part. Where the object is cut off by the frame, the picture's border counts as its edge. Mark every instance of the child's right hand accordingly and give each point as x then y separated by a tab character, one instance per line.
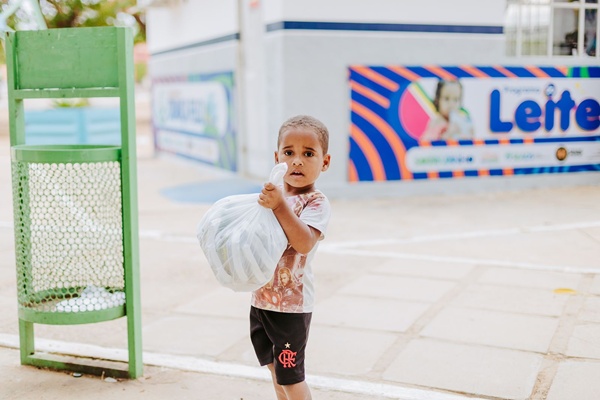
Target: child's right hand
271	196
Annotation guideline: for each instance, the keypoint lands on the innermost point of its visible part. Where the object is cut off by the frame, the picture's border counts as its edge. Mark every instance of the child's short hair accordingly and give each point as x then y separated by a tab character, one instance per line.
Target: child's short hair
307	122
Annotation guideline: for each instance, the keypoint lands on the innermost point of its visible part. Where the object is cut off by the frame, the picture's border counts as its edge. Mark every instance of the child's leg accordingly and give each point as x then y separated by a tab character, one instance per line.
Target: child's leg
278	388
297	391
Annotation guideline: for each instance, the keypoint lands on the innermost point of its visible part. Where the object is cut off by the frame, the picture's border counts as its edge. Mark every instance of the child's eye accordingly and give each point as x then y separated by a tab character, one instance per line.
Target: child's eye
287	152
309	154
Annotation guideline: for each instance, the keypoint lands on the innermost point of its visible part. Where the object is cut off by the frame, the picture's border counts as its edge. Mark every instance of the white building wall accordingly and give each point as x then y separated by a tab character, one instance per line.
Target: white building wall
190	22
307	70
467	12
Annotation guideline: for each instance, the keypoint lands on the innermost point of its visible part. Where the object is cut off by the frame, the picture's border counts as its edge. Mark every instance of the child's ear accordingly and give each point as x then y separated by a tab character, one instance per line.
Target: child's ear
276	158
326	161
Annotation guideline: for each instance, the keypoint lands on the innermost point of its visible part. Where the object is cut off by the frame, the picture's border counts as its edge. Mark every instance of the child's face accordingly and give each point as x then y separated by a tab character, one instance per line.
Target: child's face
301	150
449	99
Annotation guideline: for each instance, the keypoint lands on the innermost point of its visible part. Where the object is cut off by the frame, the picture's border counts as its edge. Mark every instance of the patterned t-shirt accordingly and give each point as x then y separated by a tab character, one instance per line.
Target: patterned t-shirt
291	289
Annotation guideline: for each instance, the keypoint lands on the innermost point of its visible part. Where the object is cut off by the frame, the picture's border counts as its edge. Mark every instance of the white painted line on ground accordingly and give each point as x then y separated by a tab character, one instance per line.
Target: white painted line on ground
464	260
561	227
422	239
163	236
193	364
158	235
464	235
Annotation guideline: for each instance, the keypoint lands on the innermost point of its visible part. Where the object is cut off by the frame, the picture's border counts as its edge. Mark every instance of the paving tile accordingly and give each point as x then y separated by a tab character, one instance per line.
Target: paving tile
173	275
595	289
7	242
492	328
576	380
9	317
593	232
528	278
8	288
478	370
194	336
10	326
219	302
386	315
333	271
241	352
424	269
536	247
325	262
585	341
111	334
8	270
397	287
591	310
512	299
345	351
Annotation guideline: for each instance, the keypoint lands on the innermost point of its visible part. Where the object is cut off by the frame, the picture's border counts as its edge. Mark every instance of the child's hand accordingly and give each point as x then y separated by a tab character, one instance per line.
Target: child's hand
271	196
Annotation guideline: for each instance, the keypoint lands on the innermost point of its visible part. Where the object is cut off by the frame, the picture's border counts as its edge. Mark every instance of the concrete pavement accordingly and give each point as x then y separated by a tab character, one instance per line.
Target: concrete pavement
491	295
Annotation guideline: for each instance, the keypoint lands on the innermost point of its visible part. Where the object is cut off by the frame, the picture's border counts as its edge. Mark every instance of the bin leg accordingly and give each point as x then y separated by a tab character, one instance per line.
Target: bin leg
134	317
135	346
27	343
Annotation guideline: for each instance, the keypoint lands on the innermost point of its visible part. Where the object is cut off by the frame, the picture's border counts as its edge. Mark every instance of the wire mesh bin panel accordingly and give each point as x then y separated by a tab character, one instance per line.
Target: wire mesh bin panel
69	233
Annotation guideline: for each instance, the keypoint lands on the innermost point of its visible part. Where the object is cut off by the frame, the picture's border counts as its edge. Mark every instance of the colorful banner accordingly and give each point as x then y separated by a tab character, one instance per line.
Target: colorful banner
193	116
427	122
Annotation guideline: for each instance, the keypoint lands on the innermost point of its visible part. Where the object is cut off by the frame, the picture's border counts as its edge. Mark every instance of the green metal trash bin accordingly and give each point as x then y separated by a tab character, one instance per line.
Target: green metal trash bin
75	206
69	233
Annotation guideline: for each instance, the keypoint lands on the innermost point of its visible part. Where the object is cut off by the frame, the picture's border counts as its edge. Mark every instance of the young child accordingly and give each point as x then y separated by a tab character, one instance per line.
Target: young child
451	122
279	329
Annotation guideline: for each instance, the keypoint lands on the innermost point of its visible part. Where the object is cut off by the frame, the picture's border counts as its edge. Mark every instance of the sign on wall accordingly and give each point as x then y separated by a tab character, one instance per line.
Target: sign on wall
427	122
193	116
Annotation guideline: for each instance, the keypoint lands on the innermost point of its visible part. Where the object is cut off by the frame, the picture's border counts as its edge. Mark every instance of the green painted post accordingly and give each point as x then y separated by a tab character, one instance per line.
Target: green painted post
16	112
16	109
130	201
76	215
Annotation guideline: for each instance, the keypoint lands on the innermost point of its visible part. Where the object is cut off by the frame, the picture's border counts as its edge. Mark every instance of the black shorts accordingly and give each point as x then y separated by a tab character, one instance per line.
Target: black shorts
280	338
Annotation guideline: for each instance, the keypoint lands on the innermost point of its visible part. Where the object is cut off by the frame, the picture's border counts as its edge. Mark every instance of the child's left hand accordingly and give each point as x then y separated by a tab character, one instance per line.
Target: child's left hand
271	196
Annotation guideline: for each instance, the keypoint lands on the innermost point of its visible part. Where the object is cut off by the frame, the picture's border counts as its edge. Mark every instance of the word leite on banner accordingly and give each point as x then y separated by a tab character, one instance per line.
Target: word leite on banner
530	115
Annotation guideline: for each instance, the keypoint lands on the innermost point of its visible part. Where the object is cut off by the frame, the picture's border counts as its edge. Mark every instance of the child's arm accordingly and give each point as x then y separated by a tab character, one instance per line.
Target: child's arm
300	236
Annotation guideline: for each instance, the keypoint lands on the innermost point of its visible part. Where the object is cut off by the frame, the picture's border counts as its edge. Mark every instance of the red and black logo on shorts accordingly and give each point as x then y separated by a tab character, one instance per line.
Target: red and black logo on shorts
287	357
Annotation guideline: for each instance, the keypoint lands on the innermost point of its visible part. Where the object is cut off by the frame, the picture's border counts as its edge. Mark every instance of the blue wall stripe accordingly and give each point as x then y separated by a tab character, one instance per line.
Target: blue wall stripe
220	39
361	26
348	26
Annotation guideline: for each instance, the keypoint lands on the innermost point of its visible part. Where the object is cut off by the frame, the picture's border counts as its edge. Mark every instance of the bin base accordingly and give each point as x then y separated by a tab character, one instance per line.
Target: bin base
87	365
96	367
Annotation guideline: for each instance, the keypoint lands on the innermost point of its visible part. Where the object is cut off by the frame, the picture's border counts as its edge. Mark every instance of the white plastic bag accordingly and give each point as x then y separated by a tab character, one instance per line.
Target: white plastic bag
242	240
